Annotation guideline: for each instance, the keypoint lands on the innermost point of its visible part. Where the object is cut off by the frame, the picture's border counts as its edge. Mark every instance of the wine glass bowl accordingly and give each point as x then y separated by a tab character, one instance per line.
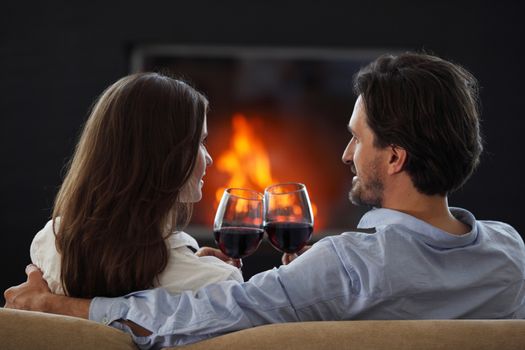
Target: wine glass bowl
238	226
288	218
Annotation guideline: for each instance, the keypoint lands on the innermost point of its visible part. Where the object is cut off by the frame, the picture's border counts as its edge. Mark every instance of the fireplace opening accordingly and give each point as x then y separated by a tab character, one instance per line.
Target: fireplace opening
276	115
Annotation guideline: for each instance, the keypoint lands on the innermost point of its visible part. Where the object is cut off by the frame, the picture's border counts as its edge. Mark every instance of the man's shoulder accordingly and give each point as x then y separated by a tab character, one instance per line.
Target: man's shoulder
501	230
498	225
354	239
351	234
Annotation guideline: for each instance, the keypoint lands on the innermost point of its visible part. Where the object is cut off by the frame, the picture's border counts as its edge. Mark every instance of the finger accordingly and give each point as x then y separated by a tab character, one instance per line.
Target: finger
33	272
288	258
30	268
8	295
219	254
236	262
209	251
222	256
206	251
202	251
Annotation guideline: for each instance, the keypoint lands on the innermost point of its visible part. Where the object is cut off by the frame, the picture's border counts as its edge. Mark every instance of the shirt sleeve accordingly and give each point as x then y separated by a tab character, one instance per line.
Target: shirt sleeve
296	292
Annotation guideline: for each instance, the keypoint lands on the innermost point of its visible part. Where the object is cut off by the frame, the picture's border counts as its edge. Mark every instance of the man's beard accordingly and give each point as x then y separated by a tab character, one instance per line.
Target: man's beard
369	193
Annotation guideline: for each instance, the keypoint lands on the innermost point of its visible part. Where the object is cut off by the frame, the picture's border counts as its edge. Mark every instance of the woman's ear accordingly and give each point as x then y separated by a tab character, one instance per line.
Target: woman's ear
398	157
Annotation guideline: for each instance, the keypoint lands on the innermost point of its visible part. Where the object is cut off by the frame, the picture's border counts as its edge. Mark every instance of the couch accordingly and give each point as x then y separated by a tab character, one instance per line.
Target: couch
22	330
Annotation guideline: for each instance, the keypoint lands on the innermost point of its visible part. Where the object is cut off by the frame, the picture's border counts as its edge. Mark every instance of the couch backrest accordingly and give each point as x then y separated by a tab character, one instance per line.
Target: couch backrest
23	330
376	335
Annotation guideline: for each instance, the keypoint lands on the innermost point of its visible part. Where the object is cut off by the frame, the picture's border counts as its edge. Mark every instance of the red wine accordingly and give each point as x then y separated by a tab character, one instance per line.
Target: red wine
238	242
289	237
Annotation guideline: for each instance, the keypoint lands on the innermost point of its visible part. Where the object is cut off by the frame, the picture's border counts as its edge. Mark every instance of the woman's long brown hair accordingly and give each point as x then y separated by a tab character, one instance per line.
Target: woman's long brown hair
119	199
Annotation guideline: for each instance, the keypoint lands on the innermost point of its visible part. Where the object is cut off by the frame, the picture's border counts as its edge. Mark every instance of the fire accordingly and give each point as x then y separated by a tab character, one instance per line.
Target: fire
246	162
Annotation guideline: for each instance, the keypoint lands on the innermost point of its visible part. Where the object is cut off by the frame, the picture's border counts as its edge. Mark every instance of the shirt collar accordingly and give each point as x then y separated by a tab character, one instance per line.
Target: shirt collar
380	218
181	239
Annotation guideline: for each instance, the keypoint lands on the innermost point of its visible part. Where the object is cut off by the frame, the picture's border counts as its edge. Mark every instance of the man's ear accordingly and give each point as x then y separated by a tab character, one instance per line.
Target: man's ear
398	158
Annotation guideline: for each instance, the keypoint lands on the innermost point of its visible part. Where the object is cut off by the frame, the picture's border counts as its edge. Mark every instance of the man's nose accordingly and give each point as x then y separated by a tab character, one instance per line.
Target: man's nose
348	157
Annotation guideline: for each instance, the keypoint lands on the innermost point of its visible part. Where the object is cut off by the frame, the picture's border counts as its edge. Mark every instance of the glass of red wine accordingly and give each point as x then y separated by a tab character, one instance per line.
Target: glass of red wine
288	218
238	226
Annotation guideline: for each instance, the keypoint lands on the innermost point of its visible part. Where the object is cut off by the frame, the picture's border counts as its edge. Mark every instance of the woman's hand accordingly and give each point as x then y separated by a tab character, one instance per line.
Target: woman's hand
209	251
288	258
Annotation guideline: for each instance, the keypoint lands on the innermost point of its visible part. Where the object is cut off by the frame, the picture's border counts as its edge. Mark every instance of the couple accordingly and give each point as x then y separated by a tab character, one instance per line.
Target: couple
414	138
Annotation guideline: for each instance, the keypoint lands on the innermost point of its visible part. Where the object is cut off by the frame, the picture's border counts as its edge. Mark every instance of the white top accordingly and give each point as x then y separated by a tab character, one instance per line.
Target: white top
185	270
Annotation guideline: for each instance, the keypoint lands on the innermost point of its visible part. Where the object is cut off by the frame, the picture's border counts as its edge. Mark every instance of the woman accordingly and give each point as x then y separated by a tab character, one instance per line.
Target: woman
137	169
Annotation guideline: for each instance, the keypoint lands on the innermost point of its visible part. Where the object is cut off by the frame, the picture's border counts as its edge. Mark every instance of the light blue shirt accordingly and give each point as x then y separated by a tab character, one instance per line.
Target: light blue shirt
407	269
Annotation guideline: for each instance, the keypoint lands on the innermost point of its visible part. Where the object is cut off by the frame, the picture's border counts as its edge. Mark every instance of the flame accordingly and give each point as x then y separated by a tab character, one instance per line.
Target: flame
246	161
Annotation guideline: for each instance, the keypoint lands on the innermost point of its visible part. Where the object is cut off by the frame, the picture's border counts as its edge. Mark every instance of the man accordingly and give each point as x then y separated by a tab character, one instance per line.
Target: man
414	139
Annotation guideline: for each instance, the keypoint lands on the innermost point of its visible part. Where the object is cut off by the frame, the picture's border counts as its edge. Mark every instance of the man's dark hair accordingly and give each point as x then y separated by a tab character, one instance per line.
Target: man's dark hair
429	107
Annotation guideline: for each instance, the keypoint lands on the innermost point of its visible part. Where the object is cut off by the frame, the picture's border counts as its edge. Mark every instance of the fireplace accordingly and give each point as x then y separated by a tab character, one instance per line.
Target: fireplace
277	115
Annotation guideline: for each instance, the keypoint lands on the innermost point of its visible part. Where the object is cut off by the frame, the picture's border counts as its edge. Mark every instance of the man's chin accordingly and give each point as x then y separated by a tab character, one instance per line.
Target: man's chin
355	197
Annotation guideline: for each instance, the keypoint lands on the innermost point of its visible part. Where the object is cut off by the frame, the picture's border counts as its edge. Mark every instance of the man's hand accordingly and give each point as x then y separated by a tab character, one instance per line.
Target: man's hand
208	251
288	258
30	295
34	295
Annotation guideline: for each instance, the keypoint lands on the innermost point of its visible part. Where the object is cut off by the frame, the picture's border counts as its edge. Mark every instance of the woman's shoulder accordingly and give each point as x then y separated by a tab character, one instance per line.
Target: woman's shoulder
44	254
186	271
182	250
182	239
44	240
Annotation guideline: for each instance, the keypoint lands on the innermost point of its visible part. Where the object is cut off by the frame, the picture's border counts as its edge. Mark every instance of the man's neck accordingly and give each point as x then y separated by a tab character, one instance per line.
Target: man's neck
433	210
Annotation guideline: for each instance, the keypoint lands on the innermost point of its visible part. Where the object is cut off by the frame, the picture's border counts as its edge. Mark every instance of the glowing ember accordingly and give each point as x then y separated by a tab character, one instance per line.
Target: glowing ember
246	161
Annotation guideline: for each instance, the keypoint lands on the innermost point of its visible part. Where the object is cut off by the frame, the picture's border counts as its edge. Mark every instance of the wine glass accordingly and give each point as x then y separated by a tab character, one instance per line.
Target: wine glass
288	218
238	225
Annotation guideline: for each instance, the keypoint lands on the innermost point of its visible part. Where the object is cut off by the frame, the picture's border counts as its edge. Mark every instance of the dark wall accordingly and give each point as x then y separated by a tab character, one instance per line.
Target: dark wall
56	59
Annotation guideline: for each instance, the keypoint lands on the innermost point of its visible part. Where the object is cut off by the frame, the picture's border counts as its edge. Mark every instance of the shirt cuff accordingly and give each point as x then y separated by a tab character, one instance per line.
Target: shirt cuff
107	310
